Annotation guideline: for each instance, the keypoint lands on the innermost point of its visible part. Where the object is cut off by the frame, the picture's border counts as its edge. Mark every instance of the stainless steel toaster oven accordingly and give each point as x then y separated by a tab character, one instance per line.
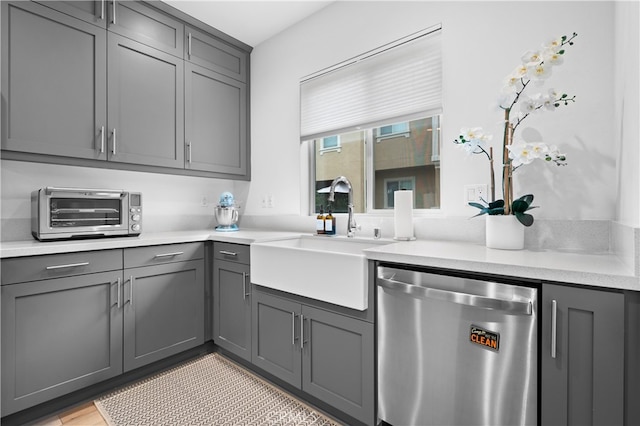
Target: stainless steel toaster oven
66	213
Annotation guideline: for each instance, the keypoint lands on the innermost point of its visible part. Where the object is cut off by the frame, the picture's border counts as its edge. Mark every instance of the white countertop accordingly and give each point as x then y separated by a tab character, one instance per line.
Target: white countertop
603	270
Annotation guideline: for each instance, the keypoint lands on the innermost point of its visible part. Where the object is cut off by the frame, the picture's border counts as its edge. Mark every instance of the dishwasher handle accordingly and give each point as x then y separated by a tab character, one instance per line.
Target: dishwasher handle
473	300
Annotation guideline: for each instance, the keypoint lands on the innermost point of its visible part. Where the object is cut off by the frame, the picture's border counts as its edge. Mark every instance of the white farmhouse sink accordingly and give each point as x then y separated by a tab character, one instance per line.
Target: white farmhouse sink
331	269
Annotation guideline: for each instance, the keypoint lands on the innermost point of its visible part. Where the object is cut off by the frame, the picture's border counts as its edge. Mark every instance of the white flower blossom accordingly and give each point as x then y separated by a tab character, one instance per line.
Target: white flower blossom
552	57
553	44
520	154
529	105
548	101
531	57
538	71
473	140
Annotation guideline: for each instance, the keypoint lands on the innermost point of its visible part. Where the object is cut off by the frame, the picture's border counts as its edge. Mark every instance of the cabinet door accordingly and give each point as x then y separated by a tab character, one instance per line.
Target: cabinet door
163	311
232	307
146	123
211	53
276	336
337	362
53	83
94	12
143	23
216	122
59	335
583	381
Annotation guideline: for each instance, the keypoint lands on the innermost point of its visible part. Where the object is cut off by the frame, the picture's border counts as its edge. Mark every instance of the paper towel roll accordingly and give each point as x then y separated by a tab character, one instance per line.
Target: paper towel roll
403	215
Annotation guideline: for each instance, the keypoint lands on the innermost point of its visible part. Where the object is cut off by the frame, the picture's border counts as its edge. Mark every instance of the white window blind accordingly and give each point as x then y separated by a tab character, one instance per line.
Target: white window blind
394	83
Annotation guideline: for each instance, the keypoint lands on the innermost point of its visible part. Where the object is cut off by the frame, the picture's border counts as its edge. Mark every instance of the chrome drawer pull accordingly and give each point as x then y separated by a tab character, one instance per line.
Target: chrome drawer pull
554	328
177	253
70	265
228	253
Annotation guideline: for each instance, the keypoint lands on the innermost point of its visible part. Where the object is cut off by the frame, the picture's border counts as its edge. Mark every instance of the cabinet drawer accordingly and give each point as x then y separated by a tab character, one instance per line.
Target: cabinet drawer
232	252
215	55
23	269
155	255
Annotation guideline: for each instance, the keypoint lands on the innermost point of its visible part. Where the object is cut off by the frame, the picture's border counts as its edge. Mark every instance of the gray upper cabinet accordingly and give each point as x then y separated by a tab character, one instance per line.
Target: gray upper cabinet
53	83
149	26
106	80
146	122
61	325
582	380
216	127
94	12
206	51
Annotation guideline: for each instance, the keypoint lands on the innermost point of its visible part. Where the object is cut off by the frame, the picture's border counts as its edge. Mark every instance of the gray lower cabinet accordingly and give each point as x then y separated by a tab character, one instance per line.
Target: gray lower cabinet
163	311
54	83
72	320
215	122
232	299
146	122
327	355
61	325
582	366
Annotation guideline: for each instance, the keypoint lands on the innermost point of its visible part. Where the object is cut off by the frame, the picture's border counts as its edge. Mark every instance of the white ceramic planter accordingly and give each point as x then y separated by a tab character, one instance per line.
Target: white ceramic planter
504	232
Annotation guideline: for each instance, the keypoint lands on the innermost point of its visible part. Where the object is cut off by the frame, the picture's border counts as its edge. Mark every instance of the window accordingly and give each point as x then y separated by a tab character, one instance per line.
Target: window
330	143
406	160
376	120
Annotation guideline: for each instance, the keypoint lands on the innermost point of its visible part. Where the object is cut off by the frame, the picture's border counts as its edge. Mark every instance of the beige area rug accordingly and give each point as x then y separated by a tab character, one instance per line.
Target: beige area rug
210	390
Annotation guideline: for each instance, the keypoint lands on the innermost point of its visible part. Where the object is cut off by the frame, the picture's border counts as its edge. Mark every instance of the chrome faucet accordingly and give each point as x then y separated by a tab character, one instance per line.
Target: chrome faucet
351	222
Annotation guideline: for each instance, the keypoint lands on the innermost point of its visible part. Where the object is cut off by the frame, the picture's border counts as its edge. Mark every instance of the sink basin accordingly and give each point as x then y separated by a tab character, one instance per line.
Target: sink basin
331	269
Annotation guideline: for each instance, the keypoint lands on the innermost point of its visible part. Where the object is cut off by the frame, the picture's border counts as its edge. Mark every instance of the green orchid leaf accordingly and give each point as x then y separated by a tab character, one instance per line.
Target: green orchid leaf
477	205
496	204
495	211
524	218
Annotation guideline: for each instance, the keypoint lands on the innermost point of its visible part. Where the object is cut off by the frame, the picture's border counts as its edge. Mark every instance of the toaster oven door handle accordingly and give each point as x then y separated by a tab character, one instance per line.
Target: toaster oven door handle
112	192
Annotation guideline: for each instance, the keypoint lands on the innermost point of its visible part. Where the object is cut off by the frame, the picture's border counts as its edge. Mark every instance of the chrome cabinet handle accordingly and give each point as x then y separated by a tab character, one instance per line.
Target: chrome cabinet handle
131	280
70	265
189	45
554	328
176	253
293	328
245	294
102	10
113	150
301	331
119	285
113	17
101	137
189	152
228	253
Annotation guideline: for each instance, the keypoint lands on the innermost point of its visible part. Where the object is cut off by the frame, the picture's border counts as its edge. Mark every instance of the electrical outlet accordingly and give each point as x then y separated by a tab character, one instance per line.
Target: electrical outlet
204	202
270	201
475	193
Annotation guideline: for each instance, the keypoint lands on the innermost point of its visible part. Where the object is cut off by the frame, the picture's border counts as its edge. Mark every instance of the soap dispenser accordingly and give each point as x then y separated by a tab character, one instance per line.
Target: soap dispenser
330	223
320	225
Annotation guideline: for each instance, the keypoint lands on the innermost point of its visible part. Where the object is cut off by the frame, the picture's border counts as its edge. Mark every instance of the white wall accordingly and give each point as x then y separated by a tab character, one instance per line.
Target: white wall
170	202
483	42
627	111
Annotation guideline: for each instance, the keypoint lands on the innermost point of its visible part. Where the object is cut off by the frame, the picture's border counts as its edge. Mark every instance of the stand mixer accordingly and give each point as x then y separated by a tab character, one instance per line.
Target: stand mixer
227	213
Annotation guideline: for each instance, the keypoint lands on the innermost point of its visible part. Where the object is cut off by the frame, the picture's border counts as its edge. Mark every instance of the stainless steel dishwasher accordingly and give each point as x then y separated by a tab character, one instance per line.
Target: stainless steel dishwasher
455	351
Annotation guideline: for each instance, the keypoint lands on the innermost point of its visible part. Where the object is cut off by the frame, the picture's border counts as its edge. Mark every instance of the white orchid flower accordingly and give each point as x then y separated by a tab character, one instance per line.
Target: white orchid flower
520	154
553	44
538	71
548	102
529	105
531	57
552	57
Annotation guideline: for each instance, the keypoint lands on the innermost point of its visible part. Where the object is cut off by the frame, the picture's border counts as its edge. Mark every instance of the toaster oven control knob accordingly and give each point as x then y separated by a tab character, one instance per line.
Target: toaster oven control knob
135	217
135	227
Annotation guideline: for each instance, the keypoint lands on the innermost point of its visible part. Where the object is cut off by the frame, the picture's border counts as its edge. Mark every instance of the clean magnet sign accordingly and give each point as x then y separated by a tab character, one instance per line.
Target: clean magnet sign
485	338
